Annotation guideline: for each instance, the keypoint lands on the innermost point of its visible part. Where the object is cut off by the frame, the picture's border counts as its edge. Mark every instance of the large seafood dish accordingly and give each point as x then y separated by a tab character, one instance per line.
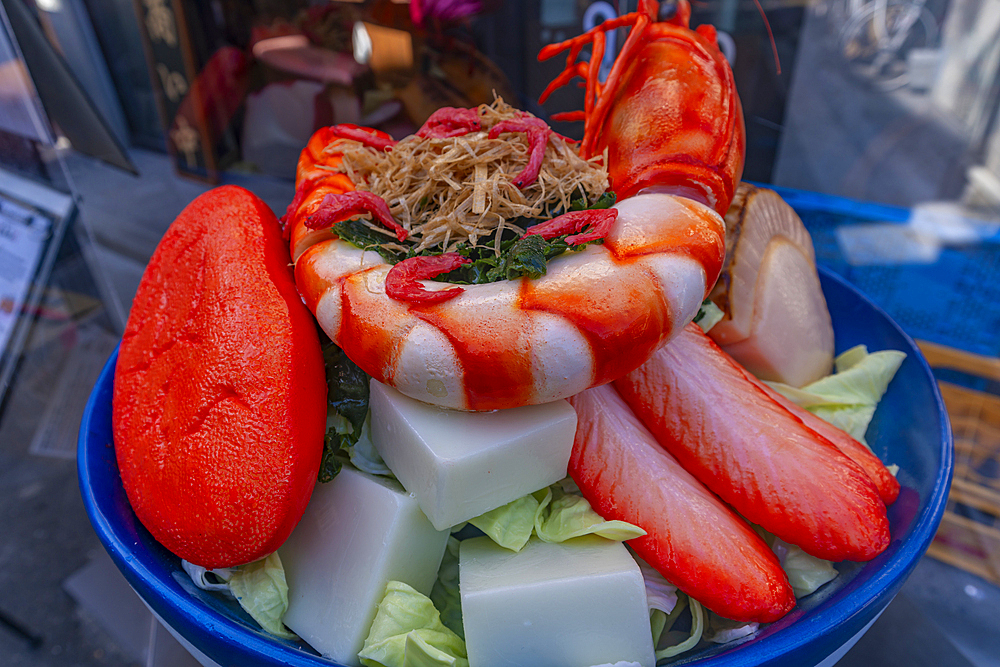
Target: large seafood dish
465	402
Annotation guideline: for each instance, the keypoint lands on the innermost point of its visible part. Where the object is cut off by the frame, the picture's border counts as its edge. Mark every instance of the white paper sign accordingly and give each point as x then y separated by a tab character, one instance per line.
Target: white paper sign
22	238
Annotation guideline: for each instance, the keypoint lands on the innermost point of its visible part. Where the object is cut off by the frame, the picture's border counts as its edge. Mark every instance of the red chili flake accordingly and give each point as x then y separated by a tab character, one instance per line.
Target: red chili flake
599	219
538	136
401	282
364	135
450	122
338	207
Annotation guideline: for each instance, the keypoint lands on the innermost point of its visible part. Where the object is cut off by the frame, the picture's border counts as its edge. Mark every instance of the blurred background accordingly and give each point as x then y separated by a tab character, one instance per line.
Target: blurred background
876	119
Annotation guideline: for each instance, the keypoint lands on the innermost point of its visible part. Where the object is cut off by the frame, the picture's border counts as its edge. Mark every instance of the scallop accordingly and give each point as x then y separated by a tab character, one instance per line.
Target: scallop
776	322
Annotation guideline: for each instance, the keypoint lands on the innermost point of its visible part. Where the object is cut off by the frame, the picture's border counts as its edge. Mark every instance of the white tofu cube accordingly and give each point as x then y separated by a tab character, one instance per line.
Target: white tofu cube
574	604
462	464
358	533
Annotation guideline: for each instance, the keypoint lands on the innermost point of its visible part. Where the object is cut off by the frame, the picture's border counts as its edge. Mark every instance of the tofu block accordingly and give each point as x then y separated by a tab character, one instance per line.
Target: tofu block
574	604
358	533
462	464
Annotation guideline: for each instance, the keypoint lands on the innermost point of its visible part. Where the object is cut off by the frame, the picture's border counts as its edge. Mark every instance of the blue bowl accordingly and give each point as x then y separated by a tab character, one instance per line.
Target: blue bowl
910	429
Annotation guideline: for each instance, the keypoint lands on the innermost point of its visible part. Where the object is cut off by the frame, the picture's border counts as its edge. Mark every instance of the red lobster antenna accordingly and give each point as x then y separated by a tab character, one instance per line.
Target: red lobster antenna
598	96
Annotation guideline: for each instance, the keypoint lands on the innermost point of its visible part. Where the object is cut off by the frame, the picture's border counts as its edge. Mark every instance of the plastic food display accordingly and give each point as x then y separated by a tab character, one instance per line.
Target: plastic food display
910	429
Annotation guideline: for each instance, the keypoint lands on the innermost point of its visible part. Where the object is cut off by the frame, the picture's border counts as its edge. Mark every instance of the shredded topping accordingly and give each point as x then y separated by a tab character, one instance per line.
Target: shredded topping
446	191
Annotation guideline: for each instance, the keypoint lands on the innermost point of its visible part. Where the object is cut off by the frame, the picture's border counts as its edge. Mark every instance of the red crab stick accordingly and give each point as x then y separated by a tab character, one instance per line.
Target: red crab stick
691	538
755	454
887	484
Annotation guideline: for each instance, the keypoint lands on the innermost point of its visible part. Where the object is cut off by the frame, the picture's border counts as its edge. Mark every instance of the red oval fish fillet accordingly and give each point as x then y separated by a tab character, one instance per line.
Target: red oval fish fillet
755	454
692	539
220	392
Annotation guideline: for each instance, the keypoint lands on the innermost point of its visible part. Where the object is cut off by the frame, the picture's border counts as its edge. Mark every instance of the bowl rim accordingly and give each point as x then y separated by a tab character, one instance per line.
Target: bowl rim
857	609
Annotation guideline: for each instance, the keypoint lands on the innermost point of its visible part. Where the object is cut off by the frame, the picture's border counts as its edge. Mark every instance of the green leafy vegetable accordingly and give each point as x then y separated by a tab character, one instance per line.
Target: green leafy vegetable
510	525
805	573
554	516
526	257
517	256
697	627
563	516
261	590
362	236
847	399
407	632
708	315
445	595
347	405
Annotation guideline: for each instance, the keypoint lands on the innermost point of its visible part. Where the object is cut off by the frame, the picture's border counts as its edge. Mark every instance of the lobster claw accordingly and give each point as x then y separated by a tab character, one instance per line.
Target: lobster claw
676	123
668	114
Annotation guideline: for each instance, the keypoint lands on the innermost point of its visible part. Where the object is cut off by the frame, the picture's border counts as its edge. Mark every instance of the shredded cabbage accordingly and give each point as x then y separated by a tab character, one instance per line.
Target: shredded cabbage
721	630
805	573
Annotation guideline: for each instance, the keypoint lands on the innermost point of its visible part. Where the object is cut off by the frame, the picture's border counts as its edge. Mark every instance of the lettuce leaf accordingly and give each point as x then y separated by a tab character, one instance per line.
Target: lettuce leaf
562	516
509	525
554	516
261	590
805	573
407	632
847	399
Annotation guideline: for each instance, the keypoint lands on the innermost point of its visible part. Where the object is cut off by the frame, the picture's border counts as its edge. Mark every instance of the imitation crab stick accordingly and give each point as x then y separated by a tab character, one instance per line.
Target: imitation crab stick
692	538
220	394
755	454
887	484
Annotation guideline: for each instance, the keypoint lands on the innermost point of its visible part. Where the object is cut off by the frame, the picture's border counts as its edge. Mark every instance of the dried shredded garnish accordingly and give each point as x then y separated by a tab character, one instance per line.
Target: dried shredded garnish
433	189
